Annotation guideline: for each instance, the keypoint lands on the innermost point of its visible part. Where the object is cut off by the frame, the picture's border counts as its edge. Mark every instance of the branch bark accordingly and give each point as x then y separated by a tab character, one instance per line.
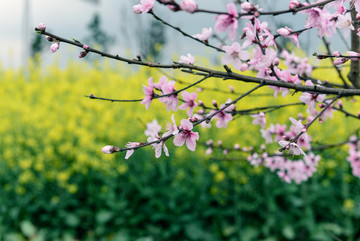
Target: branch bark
353	75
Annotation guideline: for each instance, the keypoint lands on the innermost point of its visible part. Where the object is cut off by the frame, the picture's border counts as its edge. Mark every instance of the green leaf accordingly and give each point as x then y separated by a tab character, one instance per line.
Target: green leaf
27	228
72	220
288	232
103	216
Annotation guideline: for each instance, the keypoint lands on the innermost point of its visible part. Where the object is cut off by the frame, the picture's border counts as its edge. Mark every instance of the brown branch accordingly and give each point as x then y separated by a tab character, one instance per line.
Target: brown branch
215	73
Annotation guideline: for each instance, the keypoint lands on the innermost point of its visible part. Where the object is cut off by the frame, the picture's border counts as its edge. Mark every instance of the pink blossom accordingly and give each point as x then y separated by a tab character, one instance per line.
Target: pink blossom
144	7
188	59
41	27
223	117
310	99
260	119
279	131
131	151
204	35
162	81
296	65
158	147
320	19
288	33
356	4
190	102
149	93
55	46
110	149
234	55
224	21
152	129
186	135
261	60
171	100
345	22
189	6
292	147
254	159
171	128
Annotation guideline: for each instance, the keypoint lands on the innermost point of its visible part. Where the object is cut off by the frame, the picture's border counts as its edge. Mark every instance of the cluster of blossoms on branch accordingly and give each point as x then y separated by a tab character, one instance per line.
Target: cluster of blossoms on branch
253	48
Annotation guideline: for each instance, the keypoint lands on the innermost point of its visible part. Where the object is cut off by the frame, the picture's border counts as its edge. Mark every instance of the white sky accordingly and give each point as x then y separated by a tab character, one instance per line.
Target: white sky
69	18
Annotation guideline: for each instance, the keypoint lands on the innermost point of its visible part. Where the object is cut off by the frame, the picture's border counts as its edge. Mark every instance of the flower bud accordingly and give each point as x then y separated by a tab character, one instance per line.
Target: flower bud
189	6
294	4
82	54
50	39
85	47
55	46
41	27
110	149
214	103
237	147
193	119
336	54
340	61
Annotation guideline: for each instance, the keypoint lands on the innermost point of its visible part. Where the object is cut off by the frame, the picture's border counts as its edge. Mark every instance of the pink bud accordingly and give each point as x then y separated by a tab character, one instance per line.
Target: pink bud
248	7
358	17
110	149
336	54
55	46
340	61
284	31
193	119
82	54
237	147
41	27
263	147
85	47
214	103
276	61
286	138
219	142
226	151
320	120
200	103
189	6
48	38
137	9
294	4
243	67
231	88
321	105
340	104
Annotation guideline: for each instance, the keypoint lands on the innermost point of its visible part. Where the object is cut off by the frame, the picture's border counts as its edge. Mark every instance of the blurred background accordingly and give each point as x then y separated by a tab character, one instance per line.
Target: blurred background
112	24
56	184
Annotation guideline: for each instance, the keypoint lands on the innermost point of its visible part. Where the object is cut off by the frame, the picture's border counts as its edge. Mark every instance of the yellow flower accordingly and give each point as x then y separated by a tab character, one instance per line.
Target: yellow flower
219	176
349	204
213	167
